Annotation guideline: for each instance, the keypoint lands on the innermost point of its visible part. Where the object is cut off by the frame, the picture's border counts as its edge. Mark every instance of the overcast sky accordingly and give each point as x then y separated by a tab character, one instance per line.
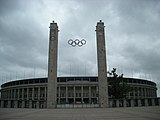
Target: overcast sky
132	30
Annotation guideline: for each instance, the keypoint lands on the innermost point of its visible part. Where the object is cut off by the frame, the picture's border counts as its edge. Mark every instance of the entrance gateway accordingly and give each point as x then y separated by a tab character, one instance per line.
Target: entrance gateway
90	91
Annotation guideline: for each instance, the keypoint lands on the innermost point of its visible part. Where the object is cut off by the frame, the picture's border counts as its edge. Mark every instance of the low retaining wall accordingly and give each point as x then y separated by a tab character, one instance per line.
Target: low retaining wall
134	102
112	103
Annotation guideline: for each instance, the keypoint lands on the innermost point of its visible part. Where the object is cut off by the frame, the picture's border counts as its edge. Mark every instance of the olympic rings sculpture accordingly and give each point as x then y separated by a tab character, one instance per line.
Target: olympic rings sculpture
77	42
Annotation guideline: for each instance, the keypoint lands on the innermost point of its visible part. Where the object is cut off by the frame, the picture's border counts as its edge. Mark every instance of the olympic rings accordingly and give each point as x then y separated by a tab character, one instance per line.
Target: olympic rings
77	42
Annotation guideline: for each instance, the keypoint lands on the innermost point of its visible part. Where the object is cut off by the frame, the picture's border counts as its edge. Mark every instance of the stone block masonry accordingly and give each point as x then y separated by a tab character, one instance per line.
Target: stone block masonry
102	67
52	66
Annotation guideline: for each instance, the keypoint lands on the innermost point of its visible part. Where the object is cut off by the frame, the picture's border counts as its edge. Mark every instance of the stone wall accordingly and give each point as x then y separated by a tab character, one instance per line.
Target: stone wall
134	102
112	103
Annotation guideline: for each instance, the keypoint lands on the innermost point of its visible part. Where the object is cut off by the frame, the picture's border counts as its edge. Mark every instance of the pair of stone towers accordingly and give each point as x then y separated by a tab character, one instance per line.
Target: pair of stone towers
52	66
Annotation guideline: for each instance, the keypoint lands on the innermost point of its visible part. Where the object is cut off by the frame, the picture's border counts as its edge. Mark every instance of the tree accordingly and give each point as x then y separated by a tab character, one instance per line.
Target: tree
118	85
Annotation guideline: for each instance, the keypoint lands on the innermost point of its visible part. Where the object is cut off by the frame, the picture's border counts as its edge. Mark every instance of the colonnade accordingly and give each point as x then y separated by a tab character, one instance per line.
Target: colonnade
24	97
36	96
142	92
134	102
77	94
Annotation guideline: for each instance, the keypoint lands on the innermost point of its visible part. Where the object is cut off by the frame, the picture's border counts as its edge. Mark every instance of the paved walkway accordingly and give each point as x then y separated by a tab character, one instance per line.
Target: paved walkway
135	113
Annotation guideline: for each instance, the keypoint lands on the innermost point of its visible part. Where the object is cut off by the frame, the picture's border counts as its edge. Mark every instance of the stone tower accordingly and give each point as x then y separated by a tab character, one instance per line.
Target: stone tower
102	70
52	66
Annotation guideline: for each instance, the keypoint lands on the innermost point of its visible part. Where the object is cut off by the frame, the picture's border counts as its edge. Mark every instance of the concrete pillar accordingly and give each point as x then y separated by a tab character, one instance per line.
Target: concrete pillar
8	94
37	104
141	92
52	66
27	93
2	96
66	94
146	102
2	103
22	93
139	102
45	93
153	102
82	94
74	91
149	92
59	94
117	103
110	103
11	94
129	95
45	106
30	104
23	104
102	70
38	93
132	103
33	93
97	95
124	103
89	94
9	104
5	94
153	93
18	94
14	94
138	92
15	104
145	92
134	93
158	101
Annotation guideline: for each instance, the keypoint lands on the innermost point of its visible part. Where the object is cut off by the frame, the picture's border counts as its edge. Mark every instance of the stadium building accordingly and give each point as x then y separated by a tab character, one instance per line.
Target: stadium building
71	92
75	92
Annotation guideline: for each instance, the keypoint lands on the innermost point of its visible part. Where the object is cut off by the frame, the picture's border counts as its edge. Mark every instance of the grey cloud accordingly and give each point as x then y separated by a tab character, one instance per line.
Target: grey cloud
20	41
132	35
9	6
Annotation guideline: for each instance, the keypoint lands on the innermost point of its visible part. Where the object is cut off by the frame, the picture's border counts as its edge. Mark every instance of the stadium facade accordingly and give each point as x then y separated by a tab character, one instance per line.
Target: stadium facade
69	92
73	92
